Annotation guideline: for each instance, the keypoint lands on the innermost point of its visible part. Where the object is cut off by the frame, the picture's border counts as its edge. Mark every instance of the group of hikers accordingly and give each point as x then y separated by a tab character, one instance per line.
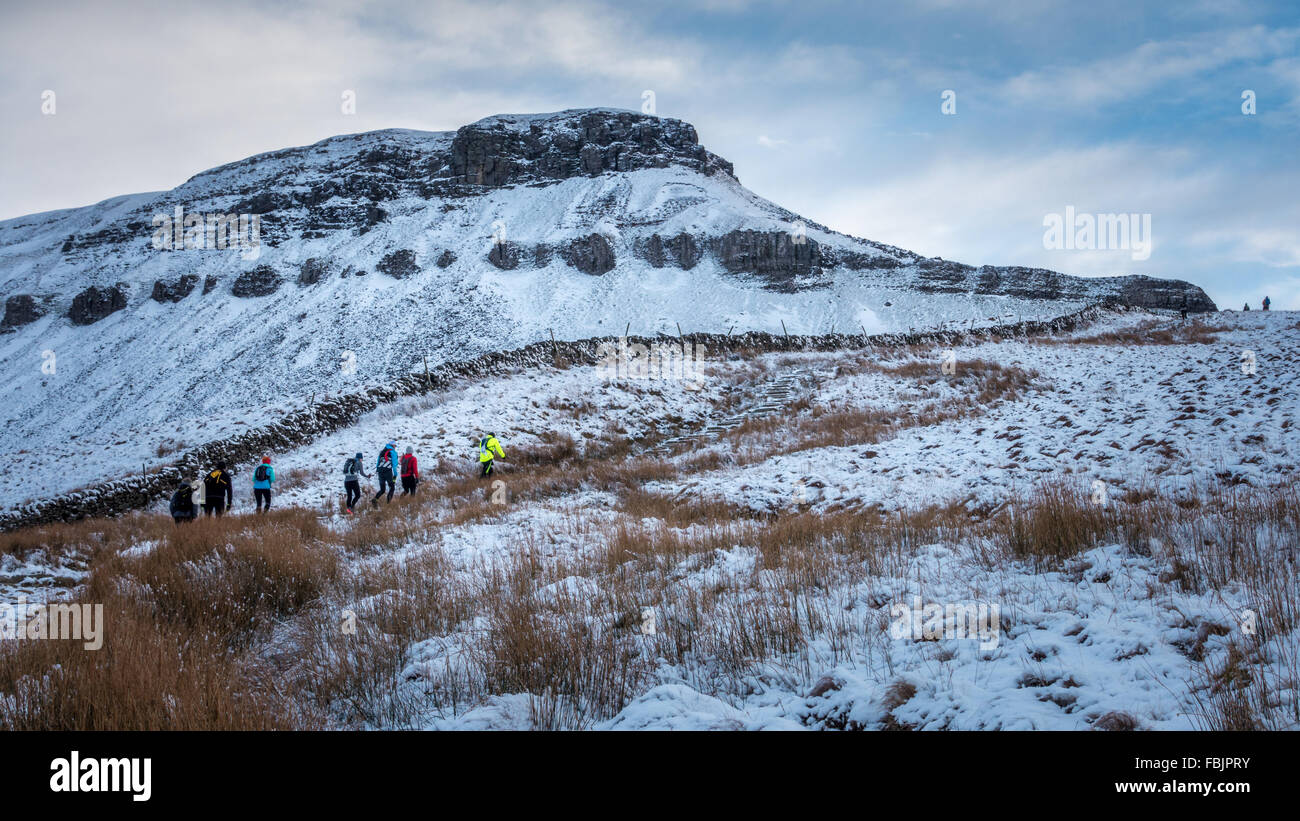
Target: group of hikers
388	467
1265	304
216	492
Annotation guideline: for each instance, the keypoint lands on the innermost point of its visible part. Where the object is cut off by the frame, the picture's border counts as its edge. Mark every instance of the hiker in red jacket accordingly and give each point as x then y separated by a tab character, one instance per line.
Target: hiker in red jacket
410	472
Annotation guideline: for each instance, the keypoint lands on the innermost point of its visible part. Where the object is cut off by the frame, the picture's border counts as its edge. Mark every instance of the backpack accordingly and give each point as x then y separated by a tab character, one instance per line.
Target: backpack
182	502
385	466
217	477
350	467
262	473
407	467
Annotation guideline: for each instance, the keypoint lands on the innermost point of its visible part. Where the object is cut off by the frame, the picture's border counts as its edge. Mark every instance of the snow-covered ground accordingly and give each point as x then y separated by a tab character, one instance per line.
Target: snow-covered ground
1166	416
1104	633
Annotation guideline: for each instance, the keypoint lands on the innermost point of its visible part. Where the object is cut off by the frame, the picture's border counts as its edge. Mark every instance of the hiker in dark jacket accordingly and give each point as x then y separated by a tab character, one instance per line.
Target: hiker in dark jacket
1267	302
353	470
183	508
218	494
410	472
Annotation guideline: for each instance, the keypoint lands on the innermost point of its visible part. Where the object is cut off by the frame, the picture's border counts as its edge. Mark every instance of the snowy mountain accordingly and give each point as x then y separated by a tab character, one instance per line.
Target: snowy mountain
126	332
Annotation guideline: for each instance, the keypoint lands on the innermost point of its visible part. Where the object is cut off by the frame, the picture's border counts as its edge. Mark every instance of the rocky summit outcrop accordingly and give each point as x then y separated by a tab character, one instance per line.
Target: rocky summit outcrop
21	309
260	281
93	304
506	150
1170	294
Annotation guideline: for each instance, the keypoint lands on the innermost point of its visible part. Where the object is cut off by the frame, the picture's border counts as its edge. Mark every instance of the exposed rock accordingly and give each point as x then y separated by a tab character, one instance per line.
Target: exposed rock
210	283
312	271
944	276
941	276
445	259
374	216
261	281
685	251
505	151
176	290
21	309
398	264
1171	294
775	255
542	255
856	261
1015	280
504	255
591	254
652	250
93	304
989	281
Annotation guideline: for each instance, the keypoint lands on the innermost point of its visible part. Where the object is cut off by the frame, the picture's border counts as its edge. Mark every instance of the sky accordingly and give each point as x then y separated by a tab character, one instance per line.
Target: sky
954	129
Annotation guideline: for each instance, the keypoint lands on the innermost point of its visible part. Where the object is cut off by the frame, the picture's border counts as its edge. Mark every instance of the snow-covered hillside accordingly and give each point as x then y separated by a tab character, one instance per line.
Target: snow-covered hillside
380	251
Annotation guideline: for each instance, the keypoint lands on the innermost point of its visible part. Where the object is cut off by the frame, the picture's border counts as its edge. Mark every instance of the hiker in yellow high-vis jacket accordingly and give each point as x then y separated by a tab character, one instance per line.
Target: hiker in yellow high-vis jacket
488	448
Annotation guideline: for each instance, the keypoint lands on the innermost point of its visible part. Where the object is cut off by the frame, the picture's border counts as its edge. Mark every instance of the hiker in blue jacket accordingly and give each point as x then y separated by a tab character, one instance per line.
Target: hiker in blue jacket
263	476
386	470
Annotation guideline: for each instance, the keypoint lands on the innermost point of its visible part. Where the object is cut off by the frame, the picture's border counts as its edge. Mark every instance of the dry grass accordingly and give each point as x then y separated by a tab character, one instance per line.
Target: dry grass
238	623
1057	521
168	448
178	624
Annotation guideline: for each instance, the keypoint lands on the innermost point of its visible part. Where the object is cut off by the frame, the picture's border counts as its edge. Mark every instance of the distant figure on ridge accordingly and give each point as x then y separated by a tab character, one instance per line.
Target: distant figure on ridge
1267	302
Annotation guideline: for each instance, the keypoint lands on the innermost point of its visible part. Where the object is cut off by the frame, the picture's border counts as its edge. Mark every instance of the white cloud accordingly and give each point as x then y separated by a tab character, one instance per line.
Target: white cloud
989	209
1149	66
150	93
